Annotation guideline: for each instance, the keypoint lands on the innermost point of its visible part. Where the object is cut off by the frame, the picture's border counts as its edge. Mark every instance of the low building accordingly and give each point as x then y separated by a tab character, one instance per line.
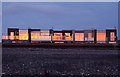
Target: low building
62	36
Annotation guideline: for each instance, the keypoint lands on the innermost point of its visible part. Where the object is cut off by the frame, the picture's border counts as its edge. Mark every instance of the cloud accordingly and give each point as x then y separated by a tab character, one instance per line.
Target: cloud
22	8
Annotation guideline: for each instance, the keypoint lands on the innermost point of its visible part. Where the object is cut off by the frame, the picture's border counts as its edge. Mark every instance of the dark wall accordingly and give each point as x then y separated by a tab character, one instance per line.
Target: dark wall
15	30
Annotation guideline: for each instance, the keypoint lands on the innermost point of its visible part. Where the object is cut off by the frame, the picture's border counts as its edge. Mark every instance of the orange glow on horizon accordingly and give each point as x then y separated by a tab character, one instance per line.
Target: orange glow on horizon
4	37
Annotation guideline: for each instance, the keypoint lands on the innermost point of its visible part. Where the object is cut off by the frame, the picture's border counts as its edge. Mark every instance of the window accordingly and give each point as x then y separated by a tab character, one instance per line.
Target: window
11	36
112	36
57	36
23	34
79	36
101	36
44	33
35	35
89	35
38	36
11	33
67	36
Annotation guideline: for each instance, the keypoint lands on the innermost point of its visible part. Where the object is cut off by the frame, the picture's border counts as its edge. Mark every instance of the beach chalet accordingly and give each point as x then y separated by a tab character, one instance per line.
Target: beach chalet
16	35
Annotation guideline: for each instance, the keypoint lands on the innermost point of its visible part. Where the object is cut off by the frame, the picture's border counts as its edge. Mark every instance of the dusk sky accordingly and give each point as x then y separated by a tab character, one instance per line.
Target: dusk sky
59	15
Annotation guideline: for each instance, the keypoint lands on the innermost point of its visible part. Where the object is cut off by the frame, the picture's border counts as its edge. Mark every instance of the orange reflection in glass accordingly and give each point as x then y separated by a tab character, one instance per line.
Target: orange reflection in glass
101	36
68	37
11	37
57	36
79	36
4	37
89	35
112	36
23	35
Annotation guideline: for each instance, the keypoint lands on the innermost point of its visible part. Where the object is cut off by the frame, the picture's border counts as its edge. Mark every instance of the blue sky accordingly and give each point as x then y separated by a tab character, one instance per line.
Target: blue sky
60	0
59	15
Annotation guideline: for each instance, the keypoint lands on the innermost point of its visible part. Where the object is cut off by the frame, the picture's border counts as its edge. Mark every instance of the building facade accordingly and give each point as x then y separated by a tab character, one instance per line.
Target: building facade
16	35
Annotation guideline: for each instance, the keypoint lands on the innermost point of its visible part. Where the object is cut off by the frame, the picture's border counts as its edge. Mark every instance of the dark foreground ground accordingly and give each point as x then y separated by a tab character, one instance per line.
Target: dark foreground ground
64	45
60	62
